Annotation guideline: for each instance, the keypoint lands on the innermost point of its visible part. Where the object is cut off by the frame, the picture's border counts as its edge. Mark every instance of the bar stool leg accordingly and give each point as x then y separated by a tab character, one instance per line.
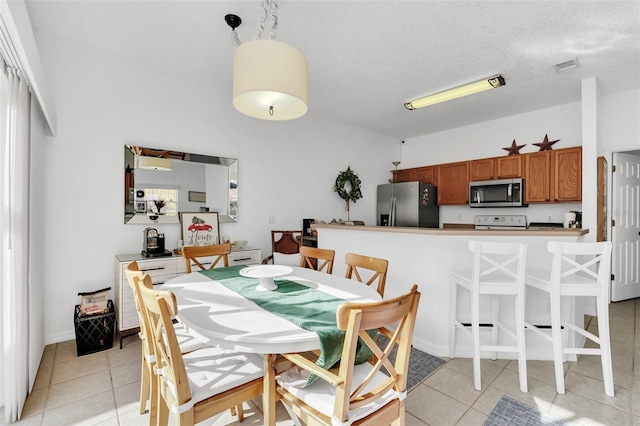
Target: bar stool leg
475	326
495	318
520	335
605	344
453	314
556	341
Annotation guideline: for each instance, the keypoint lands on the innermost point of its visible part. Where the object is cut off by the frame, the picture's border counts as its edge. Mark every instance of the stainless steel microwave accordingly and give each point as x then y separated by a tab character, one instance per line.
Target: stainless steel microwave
497	193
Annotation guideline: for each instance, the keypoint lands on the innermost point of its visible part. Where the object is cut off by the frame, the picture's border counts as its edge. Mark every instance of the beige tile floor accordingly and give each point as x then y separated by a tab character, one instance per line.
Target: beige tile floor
102	389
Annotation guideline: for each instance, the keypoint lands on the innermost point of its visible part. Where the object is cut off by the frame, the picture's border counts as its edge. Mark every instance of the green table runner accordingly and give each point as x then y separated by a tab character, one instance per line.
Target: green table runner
306	307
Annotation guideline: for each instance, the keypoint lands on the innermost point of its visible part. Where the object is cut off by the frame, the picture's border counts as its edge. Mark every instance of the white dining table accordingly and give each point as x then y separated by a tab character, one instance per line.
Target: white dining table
219	316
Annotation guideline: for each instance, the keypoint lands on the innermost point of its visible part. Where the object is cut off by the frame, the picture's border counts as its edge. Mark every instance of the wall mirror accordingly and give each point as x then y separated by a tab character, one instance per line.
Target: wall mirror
159	184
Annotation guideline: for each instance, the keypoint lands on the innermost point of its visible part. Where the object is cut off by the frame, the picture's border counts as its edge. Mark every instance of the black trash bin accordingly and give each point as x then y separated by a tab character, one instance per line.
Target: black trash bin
94	333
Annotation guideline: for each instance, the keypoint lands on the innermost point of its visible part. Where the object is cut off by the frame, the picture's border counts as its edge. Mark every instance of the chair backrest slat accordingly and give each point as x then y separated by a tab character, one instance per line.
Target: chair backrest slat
286	242
160	306
503	262
137	278
193	253
311	257
356	263
357	319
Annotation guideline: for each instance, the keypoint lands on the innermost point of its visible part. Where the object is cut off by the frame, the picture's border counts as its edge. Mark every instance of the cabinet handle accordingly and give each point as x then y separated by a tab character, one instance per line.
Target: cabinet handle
155	284
152	269
242	259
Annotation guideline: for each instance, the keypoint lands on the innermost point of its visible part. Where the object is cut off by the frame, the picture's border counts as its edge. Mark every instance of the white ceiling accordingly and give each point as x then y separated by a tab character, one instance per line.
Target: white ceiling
366	58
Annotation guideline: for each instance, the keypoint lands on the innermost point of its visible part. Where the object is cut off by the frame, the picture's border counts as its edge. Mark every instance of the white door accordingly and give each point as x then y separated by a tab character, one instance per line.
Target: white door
625	235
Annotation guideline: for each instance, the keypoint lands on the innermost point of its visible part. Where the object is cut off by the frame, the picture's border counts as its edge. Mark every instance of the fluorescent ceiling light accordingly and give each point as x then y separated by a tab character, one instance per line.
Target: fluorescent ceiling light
456	92
567	65
154	163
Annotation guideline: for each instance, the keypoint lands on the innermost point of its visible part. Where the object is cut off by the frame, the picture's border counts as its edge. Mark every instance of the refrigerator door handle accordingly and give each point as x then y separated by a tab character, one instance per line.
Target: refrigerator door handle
392	212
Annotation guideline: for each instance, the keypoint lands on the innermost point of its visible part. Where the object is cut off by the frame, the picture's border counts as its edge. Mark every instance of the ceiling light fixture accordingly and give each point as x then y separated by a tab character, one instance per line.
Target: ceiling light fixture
567	65
456	92
154	163
269	76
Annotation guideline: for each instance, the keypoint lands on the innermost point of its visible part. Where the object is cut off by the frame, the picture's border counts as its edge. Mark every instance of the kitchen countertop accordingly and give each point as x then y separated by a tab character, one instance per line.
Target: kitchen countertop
552	232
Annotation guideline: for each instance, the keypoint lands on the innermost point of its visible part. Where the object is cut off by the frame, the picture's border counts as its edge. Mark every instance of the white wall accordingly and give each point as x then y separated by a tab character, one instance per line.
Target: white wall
286	169
620	122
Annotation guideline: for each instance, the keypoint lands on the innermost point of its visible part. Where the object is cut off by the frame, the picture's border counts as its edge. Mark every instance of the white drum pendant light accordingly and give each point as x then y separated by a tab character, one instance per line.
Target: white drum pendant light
269	76
269	80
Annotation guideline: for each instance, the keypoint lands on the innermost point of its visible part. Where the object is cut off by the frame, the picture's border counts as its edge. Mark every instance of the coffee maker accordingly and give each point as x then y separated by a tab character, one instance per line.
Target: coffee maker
153	244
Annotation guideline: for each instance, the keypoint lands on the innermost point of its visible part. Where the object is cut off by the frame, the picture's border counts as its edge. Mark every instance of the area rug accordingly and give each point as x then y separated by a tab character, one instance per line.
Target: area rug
421	365
508	411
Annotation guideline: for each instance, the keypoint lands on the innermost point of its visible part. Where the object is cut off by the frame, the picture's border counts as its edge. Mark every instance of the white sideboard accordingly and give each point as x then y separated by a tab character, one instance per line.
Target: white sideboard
160	269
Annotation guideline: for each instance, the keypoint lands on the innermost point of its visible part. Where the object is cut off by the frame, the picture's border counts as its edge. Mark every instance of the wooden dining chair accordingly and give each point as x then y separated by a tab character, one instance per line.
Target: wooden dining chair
187	343
371	393
217	251
196	386
285	248
356	263
311	257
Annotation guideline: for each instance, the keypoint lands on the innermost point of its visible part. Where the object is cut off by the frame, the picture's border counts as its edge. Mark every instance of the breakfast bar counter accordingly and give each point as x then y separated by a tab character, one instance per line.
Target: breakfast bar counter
551	232
426	256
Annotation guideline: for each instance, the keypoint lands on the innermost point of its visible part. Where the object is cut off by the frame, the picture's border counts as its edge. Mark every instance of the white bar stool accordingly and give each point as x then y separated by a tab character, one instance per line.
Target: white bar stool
577	269
498	270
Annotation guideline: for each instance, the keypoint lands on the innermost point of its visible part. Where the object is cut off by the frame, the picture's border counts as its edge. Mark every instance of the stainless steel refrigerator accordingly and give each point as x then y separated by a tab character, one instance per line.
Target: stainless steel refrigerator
408	204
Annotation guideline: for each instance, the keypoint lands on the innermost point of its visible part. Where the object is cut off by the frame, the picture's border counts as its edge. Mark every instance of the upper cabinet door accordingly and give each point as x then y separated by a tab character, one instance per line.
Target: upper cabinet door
453	183
425	174
537	177
508	167
404	175
567	174
482	169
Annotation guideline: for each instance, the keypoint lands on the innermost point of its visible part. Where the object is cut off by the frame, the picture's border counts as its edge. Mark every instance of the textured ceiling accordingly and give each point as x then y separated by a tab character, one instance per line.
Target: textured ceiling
366	58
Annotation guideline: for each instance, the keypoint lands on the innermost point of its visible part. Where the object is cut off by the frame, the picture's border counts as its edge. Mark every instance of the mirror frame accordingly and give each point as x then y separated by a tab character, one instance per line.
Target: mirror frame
132	151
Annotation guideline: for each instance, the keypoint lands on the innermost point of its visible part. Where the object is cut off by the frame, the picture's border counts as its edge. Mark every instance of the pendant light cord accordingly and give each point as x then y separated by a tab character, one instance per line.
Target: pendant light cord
269	16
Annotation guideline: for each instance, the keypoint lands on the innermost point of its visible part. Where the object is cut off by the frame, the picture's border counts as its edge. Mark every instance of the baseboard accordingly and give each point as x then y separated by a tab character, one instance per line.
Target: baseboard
60	337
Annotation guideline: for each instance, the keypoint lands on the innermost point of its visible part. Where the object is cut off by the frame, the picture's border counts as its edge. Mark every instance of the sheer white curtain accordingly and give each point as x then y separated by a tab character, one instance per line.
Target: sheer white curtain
14	230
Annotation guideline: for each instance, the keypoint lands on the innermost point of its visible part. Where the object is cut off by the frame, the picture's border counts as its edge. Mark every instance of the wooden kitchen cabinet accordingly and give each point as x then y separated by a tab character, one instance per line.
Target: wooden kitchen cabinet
453	183
404	175
549	176
481	169
425	174
553	176
567	174
508	167
537	176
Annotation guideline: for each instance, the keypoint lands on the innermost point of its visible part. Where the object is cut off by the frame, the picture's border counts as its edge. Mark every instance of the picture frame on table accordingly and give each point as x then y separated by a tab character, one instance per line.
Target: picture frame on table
200	228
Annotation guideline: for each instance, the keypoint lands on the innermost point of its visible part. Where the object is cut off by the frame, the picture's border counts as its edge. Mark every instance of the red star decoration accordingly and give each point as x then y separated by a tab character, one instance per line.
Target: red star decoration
514	149
545	145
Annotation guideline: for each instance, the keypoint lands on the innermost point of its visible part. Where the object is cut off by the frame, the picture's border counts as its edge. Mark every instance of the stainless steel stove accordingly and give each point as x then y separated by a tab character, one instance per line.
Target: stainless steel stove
501	222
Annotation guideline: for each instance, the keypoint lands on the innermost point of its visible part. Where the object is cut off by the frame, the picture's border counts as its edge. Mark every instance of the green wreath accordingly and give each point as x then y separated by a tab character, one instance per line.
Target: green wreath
353	193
